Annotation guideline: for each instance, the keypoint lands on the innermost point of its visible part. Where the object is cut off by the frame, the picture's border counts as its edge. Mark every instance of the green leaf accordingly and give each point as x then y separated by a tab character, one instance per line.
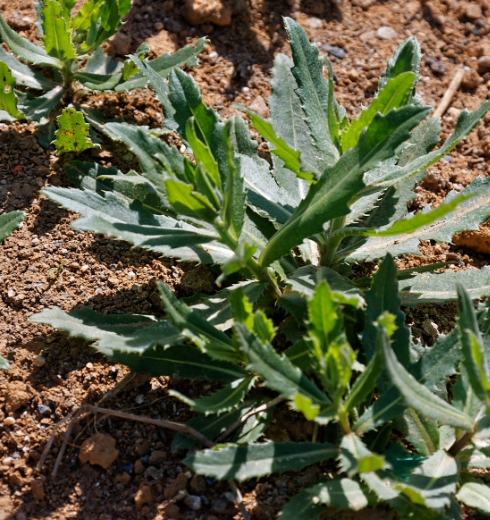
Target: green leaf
257	460
209	339
4	364
356	458
9	222
475	495
416	395
57	35
396	94
421	433
341	493
8	99
330	197
406	59
163	65
313	90
289	123
25	49
140	342
100	82
23	74
185	200
112	215
41	108
279	373
222	401
474	358
73	132
441	287
458	212
435	480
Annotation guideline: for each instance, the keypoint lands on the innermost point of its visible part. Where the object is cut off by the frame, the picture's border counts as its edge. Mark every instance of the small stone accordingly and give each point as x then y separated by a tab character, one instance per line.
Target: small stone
153	473
260	106
158	26
139	467
471	79
472	11
142	447
314	22
338	52
157	456
122	478
39	361
17	396
386	33
43	409
193	502
363	3
174	485
8	461
100	449
143	496
483	65
121	43
84	268
9	421
198	484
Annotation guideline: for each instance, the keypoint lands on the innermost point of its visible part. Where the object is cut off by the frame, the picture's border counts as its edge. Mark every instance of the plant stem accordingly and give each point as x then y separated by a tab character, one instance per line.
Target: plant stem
327	253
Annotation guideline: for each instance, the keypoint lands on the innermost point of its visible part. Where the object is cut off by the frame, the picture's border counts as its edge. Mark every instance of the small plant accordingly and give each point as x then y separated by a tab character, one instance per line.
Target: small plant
73	64
290	316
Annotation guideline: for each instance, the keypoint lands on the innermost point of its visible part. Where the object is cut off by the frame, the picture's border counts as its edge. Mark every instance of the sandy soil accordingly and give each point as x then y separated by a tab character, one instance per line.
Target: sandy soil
46	263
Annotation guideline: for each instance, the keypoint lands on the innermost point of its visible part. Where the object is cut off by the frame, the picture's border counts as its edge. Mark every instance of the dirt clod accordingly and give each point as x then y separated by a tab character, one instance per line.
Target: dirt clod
100	449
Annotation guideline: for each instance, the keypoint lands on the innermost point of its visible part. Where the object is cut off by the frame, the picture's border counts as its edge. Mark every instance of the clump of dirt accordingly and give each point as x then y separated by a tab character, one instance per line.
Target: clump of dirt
46	263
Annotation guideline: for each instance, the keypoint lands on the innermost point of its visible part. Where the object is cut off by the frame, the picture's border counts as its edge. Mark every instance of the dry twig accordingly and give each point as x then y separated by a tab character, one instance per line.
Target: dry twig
449	94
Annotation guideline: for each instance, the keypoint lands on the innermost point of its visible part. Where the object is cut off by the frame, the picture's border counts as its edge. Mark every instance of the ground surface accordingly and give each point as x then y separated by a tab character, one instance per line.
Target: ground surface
46	263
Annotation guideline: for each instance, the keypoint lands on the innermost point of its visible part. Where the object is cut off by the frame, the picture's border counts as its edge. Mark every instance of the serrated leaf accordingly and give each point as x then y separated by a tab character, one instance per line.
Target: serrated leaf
222	401
418	396
140	342
475	495
330	197
101	82
421	433
8	98
279	373
73	132
23	74
209	339
9	222
441	287
41	108
25	49
356	458
56	32
257	460
396	93
114	216
435	480
163	65
313	90
338	493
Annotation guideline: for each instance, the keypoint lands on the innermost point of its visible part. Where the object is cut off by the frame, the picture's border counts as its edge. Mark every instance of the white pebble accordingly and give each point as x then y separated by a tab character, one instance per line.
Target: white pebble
84	268
7	461
9	421
386	33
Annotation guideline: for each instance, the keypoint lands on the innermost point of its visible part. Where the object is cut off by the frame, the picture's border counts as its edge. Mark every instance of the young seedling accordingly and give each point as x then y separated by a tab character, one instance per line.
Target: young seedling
290	322
38	81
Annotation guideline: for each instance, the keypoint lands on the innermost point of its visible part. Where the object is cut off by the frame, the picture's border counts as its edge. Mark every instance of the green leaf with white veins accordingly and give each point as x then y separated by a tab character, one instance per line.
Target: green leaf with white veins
23	74
57	35
330	197
25	49
341	493
8	99
257	460
458	212
113	215
417	395
313	90
475	495
10	222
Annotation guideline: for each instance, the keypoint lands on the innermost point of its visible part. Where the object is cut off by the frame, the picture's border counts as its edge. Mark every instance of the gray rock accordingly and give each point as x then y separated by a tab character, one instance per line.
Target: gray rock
386	32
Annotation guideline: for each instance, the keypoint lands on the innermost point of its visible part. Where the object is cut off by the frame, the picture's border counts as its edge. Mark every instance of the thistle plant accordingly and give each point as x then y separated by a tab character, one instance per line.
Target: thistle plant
289	317
37	82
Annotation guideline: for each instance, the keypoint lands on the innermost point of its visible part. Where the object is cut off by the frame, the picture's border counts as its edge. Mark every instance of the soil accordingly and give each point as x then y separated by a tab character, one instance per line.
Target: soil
46	263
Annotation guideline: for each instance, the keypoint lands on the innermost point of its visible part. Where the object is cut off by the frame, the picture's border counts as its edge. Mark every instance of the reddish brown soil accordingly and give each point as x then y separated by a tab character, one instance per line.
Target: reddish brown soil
46	263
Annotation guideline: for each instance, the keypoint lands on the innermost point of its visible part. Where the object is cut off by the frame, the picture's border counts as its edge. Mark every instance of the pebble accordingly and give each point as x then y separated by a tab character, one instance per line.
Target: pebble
143	496
39	361
314	22
8	461
483	65
193	502
9	421
157	456
43	409
386	32
338	52
472	11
